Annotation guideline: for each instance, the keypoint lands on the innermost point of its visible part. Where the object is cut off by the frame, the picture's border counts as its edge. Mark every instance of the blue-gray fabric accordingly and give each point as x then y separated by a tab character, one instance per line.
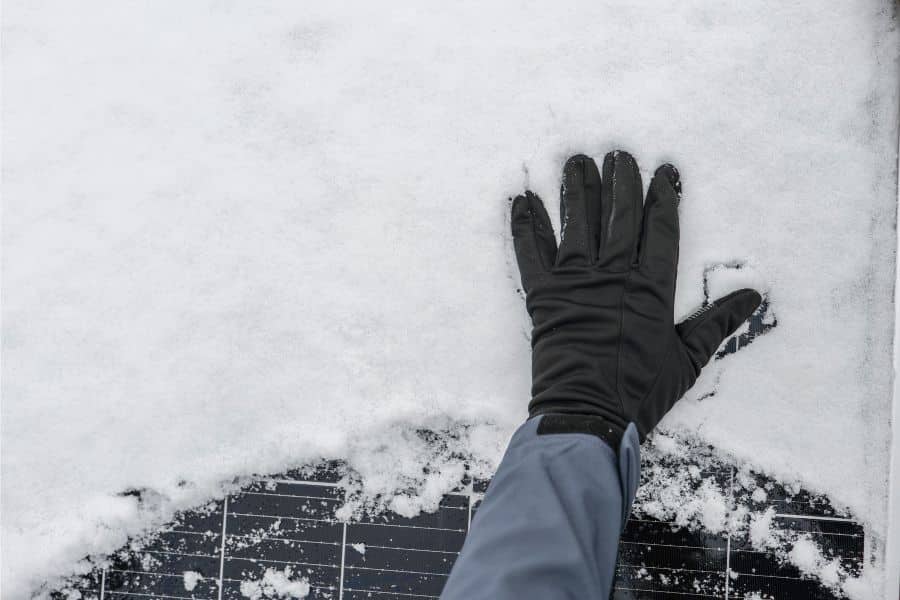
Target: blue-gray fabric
550	521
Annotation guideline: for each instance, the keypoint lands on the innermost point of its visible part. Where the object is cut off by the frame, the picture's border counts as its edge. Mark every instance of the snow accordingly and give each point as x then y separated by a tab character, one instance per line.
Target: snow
238	238
388	471
760	529
191	579
807	556
687	483
275	584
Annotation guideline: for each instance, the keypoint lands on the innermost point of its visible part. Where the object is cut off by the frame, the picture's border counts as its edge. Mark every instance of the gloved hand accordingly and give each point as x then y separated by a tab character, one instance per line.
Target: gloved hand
605	349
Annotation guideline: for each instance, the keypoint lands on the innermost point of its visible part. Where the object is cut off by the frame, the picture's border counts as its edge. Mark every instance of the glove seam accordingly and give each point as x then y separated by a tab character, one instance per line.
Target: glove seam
652	388
621	319
708	310
699	319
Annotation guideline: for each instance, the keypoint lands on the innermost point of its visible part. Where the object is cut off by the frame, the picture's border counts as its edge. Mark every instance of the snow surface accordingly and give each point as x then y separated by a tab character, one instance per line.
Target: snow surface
237	238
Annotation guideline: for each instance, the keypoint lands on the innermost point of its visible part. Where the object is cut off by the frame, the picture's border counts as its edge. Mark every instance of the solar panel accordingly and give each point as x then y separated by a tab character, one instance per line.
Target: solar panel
289	522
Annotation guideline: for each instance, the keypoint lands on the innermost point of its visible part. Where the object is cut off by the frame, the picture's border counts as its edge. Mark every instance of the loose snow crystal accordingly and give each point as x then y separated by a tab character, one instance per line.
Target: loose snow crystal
760	529
239	237
191	579
671	491
808	557
275	584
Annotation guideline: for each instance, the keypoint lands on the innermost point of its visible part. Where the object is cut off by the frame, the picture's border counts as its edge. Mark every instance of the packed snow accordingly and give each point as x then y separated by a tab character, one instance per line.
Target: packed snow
238	238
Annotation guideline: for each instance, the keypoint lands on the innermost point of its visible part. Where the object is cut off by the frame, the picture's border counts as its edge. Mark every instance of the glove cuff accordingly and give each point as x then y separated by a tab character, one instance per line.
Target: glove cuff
603	428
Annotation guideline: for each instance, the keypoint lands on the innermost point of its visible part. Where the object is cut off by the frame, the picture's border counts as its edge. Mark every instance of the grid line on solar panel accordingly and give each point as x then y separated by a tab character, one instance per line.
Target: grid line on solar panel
661	593
765	576
293	563
728	536
387	570
324	484
222	547
368	546
813	517
676	562
303	496
335	521
277	535
343	562
113	594
453	518
254	542
154	573
294	552
381	592
418	539
197	533
242	514
846	529
324	487
180	553
676	569
395	581
686	547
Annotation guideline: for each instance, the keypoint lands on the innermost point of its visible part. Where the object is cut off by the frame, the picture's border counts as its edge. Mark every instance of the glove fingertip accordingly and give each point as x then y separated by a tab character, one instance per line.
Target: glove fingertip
671	174
519	207
705	331
743	304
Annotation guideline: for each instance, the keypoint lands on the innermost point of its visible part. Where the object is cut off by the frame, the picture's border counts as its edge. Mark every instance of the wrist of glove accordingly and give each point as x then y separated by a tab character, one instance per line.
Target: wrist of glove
606	351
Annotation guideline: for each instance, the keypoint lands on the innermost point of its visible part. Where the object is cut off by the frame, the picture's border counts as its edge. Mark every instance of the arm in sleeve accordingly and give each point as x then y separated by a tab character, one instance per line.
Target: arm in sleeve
550	521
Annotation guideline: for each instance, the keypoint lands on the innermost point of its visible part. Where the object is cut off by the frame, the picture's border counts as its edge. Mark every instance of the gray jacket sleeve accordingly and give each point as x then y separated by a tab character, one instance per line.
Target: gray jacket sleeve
550	521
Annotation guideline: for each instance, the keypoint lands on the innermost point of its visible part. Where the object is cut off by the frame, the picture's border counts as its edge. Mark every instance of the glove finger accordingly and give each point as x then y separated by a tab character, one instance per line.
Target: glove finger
579	211
659	239
621	211
532	237
703	332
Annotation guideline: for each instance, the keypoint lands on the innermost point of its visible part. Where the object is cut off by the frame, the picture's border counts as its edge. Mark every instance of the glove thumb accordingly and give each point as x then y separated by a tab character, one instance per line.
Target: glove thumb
703	332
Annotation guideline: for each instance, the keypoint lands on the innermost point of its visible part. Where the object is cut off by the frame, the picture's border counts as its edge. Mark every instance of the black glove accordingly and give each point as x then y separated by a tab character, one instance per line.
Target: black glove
605	349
